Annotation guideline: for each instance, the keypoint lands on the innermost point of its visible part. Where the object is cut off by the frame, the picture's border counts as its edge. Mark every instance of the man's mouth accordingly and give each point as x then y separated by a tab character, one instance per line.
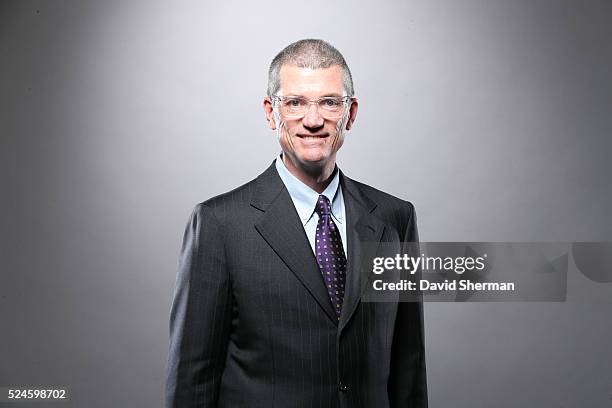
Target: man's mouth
312	137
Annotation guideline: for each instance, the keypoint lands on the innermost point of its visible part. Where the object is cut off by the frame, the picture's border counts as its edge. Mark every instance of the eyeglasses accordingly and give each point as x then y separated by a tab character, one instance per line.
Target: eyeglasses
330	107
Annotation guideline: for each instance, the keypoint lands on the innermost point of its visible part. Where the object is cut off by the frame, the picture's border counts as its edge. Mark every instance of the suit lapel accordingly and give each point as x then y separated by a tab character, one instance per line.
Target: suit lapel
364	233
282	229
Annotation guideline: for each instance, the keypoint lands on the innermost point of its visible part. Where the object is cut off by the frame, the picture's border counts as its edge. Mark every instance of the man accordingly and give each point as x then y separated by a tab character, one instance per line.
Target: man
267	310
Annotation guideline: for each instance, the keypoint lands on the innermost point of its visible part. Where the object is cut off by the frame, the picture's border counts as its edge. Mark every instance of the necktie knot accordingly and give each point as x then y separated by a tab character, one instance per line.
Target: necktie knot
323	206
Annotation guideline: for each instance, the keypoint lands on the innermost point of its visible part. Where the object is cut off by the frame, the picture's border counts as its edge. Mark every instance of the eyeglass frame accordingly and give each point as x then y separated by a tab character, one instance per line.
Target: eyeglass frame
345	99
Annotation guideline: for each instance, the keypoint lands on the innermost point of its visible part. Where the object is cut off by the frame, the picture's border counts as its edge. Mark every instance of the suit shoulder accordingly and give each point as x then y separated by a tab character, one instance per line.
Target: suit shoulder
229	202
384	199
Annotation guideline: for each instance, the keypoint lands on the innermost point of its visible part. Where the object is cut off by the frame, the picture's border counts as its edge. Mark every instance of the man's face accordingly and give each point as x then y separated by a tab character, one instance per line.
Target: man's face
311	142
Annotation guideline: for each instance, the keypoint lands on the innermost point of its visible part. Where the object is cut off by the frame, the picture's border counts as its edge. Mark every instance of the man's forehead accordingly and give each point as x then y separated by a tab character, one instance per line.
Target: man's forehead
296	80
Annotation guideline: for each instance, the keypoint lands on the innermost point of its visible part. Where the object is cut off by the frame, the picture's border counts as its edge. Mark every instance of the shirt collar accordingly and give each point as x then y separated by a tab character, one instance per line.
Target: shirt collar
305	198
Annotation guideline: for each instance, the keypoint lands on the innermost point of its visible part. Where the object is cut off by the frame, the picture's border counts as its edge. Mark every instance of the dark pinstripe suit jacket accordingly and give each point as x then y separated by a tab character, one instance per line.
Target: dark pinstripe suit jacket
252	324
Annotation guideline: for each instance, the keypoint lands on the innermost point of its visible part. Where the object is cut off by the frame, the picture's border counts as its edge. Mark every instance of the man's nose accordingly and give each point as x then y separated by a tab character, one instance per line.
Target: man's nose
312	118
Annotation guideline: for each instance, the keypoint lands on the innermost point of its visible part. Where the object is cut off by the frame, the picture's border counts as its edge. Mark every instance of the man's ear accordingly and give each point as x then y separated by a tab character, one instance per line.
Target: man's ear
267	105
352	113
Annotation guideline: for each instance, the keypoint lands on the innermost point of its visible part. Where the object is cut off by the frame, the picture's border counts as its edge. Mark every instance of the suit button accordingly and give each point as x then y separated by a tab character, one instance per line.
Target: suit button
343	387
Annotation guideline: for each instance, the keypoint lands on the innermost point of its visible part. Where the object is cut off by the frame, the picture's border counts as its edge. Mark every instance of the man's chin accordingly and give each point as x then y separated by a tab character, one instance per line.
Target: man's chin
314	160
311	161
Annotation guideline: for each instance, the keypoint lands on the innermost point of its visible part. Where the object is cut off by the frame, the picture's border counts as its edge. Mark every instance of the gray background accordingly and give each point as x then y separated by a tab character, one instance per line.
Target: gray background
116	118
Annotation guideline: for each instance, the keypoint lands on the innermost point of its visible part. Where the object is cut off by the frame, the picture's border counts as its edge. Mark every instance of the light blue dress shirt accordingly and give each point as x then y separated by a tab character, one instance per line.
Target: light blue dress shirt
305	199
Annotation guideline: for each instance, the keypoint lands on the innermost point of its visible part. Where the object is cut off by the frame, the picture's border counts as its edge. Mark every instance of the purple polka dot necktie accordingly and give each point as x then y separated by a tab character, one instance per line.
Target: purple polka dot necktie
330	254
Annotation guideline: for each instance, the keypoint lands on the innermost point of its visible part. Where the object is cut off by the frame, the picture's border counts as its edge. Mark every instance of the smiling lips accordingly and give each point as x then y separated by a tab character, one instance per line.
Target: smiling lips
322	136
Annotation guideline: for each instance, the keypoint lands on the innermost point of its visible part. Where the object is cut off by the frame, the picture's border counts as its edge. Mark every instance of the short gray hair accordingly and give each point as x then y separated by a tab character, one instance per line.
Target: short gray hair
308	53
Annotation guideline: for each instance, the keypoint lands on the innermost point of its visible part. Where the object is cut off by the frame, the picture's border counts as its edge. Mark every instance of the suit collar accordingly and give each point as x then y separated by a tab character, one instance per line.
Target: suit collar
268	187
353	188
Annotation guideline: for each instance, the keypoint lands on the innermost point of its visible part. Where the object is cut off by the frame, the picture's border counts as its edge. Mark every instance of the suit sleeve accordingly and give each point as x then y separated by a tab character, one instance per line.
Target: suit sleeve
200	317
408	377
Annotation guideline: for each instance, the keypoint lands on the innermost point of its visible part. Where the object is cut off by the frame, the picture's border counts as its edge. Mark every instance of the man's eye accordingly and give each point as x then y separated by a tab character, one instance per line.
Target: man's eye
330	103
294	103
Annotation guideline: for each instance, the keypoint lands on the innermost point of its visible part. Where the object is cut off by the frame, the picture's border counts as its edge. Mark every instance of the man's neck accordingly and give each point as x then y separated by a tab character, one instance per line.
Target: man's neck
317	178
